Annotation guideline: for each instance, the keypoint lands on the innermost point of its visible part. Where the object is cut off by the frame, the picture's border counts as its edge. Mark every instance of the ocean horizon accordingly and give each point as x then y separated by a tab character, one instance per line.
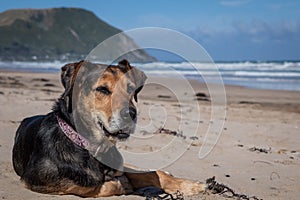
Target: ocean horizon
274	75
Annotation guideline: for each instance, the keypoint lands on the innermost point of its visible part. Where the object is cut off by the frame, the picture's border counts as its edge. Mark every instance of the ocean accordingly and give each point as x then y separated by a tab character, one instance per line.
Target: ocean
284	75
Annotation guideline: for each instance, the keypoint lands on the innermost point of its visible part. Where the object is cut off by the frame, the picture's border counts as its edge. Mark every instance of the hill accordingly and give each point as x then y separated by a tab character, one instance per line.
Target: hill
58	33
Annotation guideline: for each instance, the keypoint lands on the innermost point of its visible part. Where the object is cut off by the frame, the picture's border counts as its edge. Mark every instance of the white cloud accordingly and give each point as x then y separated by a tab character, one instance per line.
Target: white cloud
256	39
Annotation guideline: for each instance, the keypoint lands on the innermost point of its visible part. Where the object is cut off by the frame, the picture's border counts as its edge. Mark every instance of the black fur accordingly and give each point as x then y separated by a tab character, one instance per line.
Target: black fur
43	155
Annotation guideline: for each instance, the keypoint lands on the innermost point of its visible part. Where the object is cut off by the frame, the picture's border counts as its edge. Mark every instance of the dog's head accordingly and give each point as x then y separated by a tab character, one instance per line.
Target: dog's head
101	98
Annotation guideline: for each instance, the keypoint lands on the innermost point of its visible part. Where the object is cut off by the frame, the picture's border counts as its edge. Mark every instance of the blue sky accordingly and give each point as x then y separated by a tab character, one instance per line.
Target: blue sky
227	29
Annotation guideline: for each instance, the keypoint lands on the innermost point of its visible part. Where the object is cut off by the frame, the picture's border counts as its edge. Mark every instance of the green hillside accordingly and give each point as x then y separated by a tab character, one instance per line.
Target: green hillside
58	33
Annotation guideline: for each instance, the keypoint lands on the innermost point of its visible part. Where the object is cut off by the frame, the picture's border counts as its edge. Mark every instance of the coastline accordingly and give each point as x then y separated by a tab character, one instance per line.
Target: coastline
271	75
266	119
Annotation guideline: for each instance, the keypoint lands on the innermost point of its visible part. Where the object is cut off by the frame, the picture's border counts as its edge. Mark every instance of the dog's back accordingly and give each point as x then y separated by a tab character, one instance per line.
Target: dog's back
24	142
47	161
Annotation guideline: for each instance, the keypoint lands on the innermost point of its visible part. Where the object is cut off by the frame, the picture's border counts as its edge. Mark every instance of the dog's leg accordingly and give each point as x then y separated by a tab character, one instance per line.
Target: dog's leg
118	186
115	187
165	182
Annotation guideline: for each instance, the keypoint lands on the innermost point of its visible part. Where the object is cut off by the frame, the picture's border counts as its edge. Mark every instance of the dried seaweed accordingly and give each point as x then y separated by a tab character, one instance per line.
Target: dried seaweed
202	97
176	196
260	150
153	193
221	189
163	130
165	196
213	186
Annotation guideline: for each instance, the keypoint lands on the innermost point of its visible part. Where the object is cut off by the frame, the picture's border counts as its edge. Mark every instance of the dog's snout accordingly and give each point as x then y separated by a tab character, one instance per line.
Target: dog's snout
128	113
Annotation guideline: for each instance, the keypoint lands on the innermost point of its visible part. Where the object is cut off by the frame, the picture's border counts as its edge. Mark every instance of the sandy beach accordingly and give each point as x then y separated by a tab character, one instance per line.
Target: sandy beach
257	154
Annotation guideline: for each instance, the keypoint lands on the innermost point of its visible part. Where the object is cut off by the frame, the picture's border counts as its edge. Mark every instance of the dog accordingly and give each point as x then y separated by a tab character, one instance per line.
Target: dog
60	152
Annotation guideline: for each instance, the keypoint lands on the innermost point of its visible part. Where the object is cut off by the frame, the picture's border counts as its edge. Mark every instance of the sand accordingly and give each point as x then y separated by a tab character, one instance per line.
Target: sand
258	151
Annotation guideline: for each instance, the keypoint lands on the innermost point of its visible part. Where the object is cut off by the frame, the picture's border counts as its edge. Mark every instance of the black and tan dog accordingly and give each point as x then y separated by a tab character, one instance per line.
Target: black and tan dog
52	156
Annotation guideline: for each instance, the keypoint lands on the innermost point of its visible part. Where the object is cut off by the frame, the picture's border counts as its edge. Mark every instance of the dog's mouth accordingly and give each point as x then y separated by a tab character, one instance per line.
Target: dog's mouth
122	134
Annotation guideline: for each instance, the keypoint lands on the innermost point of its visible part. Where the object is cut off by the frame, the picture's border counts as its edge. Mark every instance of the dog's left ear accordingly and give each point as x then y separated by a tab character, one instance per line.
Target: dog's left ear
138	76
136	92
140	79
125	65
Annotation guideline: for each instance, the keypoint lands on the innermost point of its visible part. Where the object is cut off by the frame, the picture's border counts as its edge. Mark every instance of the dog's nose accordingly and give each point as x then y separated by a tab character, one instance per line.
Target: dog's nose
127	113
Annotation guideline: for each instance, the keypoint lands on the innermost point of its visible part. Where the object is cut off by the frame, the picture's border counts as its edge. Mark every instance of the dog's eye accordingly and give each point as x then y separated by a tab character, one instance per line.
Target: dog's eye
103	90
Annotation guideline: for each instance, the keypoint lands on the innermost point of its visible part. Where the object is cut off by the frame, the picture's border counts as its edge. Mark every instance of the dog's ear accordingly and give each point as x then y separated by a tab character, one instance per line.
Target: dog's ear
140	81
125	65
68	77
138	76
137	91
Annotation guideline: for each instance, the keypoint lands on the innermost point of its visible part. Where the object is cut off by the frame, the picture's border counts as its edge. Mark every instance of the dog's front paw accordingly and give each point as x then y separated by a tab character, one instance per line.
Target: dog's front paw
189	188
125	184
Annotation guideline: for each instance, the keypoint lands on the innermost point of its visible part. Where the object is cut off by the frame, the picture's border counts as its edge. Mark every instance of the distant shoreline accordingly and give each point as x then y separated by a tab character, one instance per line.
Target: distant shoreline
283	75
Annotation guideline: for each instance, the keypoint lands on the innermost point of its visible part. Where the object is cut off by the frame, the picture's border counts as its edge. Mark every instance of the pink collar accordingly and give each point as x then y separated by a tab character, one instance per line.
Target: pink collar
72	134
